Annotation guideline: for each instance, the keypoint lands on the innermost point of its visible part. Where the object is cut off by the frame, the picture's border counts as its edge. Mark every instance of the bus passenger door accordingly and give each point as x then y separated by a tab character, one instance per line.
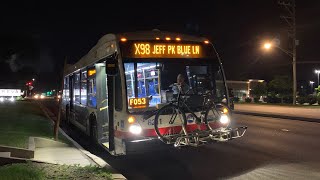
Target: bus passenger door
102	112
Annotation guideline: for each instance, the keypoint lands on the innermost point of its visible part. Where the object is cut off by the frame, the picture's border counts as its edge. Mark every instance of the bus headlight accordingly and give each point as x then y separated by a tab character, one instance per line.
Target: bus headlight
11	99
135	129
224	119
1	99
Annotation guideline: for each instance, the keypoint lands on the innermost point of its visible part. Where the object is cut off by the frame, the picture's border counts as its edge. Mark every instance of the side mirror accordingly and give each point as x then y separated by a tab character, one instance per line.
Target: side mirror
112	65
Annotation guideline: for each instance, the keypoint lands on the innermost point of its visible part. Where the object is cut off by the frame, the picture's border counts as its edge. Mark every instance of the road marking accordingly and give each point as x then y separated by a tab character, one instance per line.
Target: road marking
285	130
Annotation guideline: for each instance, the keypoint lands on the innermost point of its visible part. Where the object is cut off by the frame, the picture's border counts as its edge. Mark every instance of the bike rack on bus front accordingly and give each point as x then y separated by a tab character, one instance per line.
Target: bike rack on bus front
204	137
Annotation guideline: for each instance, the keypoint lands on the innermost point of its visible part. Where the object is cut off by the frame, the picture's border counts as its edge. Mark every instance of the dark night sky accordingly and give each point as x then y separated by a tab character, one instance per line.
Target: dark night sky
35	37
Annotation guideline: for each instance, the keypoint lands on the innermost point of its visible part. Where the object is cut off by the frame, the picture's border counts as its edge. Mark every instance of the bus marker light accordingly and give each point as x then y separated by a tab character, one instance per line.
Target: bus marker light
168	38
178	39
123	39
157	38
206	42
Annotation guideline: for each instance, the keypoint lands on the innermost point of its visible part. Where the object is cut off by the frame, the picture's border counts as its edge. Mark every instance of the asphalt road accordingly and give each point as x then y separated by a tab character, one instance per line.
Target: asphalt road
271	149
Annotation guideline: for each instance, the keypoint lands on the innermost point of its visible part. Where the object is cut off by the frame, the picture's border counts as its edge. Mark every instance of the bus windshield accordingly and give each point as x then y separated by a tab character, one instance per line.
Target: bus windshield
150	83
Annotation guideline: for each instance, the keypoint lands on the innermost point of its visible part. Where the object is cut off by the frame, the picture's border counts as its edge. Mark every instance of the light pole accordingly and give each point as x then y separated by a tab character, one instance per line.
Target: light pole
311	84
317	72
275	43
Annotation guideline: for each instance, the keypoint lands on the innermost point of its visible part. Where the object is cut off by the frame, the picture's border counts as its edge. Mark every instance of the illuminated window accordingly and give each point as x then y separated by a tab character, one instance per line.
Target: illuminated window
66	89
76	88
83	92
92	91
144	83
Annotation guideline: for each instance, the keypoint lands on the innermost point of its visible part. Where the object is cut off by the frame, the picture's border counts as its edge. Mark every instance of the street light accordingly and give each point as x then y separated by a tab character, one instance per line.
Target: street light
317	72
276	43
267	45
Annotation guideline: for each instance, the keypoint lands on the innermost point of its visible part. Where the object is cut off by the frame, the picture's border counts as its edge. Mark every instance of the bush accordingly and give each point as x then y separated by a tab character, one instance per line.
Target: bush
302	100
311	99
248	100
288	100
256	100
236	99
271	99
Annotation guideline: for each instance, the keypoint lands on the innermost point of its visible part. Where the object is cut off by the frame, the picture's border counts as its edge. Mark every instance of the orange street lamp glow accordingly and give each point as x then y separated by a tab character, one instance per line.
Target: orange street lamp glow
267	45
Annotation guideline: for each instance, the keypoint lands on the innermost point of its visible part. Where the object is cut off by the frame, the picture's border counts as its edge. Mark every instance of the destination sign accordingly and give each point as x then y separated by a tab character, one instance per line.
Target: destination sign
138	102
165	50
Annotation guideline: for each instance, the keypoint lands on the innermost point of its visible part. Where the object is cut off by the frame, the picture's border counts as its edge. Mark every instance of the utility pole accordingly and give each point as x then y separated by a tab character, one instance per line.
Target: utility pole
290	19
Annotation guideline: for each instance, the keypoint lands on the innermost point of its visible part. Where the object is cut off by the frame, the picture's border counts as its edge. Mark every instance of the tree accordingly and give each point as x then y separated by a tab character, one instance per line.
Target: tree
281	87
259	90
317	89
318	92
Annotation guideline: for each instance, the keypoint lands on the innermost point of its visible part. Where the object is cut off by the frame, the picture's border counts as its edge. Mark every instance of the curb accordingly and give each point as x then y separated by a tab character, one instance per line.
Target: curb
278	116
100	162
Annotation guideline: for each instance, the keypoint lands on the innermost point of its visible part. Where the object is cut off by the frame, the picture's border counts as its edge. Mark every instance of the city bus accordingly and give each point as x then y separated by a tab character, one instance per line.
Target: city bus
114	91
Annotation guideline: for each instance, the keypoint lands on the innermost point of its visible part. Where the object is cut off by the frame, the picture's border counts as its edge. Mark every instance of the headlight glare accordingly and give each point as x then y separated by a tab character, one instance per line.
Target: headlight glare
224	119
135	129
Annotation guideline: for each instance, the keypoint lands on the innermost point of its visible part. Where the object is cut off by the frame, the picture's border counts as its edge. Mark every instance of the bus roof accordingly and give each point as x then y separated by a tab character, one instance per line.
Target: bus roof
107	45
152	35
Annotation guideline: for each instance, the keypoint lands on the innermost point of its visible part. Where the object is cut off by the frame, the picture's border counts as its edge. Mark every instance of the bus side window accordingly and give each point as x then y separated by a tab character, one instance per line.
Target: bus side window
83	88
118	95
76	88
92	88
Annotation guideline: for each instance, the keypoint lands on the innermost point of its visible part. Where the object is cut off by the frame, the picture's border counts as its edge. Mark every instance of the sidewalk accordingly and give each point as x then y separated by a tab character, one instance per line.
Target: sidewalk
297	113
27	141
54	152
74	155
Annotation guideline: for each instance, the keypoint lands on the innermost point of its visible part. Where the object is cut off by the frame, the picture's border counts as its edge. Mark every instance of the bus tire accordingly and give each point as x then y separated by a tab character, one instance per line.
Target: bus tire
93	130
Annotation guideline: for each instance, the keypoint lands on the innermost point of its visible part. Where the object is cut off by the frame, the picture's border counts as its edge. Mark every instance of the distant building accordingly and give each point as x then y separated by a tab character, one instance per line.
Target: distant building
241	89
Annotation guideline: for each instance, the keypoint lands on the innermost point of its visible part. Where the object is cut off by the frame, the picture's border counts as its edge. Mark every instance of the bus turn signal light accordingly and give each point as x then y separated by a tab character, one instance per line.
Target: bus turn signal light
131	120
225	110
